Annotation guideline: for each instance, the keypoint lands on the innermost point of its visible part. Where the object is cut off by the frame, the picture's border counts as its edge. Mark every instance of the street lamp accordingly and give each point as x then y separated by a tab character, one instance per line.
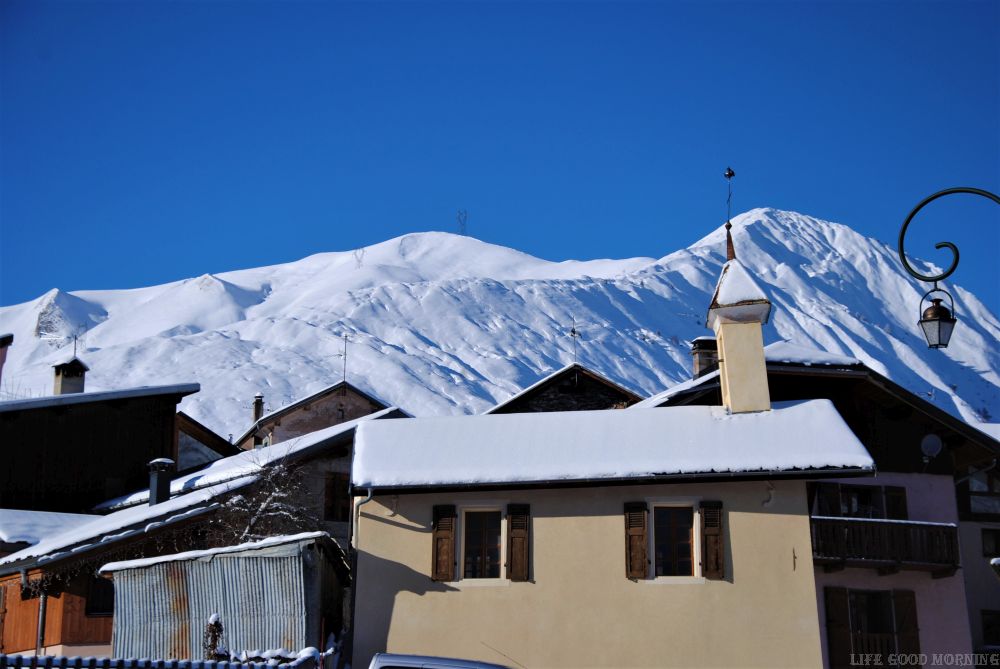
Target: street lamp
937	321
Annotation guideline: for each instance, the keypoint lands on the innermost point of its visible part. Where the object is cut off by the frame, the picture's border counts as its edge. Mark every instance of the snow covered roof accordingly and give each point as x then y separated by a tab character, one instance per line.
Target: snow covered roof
544	448
6	339
552	375
780	352
124	524
82	398
73	361
269	542
266	418
249	462
737	297
18	525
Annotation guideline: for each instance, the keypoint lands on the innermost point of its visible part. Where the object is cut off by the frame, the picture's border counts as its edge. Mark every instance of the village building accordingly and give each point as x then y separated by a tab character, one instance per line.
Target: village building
55	604
333	405
572	388
902	560
657	537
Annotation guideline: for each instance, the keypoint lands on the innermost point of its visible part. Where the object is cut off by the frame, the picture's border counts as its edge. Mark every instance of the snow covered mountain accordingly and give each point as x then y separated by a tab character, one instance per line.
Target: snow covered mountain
444	324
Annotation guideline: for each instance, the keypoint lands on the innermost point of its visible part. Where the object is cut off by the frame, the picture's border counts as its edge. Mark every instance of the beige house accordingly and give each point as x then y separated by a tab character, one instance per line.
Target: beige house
663	537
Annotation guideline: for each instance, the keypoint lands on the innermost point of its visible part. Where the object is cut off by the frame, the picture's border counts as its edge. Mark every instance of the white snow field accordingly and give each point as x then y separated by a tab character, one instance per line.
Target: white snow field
442	324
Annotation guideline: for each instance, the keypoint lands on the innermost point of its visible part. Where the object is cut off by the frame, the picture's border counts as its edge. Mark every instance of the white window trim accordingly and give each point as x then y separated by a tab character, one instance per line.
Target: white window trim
687	502
460	511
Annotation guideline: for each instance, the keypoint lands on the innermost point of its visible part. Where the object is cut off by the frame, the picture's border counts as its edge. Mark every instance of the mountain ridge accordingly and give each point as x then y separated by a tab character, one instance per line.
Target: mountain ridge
443	324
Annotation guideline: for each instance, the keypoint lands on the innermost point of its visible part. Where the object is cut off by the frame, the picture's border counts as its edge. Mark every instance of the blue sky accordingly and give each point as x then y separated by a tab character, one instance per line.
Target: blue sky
143	142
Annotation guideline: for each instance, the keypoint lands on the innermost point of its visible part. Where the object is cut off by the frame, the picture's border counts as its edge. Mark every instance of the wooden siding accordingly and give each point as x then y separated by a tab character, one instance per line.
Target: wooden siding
71	457
66	620
576	389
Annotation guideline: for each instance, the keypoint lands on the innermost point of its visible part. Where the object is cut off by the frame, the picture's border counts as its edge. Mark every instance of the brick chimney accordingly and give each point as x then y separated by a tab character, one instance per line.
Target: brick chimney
161	473
70	376
705	355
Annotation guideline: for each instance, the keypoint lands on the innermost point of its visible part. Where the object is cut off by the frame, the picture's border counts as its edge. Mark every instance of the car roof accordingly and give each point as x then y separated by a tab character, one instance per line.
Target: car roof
428	661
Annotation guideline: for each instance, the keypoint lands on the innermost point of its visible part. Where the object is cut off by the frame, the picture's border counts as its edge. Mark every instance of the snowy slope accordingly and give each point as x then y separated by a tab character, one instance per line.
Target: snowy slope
444	324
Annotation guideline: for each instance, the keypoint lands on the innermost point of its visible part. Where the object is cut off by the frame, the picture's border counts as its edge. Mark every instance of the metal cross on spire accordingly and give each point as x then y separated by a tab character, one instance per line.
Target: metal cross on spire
730	249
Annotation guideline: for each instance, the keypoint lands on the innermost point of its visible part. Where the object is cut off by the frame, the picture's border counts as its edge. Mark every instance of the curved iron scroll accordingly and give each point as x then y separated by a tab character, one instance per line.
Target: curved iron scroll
940	245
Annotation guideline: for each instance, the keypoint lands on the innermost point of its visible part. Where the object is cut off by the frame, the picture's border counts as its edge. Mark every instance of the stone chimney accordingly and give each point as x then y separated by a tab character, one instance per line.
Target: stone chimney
704	355
738	311
5	341
70	376
161	473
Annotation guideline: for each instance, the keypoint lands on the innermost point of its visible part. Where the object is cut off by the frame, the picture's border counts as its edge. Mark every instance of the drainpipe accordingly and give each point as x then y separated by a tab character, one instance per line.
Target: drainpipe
351	539
40	641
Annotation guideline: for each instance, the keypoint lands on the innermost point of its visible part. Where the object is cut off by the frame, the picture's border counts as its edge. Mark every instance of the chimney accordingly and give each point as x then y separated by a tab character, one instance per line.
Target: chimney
738	311
5	341
161	472
70	376
258	411
705	355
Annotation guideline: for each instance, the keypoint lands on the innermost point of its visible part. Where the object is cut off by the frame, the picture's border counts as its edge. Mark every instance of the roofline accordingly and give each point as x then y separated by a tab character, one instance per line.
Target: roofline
860	371
6	339
256	425
180	389
597	376
697	477
125	534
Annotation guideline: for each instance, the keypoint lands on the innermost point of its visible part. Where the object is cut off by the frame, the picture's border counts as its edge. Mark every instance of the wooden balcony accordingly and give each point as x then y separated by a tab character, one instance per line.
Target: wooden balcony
885	545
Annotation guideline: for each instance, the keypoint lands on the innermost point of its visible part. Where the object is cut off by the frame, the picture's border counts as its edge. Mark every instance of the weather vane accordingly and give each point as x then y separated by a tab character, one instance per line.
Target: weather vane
730	249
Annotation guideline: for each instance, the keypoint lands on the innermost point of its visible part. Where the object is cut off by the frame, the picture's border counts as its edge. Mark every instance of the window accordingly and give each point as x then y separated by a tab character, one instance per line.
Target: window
673	536
870	621
984	492
991	543
991	627
336	498
481	544
682	542
489	548
100	597
858	501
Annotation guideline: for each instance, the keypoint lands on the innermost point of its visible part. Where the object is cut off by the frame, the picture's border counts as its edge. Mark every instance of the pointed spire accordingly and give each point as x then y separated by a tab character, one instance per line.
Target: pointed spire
730	249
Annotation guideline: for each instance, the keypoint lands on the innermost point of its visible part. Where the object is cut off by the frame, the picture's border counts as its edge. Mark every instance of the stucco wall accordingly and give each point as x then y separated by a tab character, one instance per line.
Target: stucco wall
941	617
579	609
982	585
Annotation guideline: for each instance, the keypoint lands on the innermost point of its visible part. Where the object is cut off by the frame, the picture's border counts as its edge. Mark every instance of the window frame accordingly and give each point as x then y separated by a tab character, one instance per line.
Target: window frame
499	506
995	532
693	503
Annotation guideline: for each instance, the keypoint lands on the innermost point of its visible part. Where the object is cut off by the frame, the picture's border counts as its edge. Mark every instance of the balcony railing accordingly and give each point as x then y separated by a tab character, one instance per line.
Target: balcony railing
886	545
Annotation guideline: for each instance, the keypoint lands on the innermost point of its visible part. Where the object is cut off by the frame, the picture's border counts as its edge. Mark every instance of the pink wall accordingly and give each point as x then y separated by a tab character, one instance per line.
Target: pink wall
941	605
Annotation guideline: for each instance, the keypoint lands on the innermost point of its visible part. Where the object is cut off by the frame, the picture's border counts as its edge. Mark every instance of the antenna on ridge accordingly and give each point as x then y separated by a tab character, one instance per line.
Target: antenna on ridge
344	356
730	249
574	335
462	217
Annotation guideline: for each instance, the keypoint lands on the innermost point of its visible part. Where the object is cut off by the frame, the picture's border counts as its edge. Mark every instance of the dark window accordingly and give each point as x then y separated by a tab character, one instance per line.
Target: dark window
337	502
870	621
482	544
991	543
672	532
871	612
991	628
858	501
100	597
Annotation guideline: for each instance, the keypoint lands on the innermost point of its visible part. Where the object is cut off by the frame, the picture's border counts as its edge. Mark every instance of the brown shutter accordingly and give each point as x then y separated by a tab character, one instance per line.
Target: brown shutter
895	503
838	627
904	604
636	518
518	543
443	531
712	550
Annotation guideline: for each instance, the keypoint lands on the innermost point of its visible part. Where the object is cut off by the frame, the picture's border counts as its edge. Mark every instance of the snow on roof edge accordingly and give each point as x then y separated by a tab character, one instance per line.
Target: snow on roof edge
122	565
82	398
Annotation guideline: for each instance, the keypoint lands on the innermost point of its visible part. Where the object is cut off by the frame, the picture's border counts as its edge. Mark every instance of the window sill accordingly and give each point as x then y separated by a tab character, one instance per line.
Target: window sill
480	583
675	580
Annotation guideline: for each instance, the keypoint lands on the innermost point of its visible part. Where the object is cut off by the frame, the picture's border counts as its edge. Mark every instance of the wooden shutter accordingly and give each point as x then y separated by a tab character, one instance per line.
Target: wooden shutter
904	604
443	531
636	541
712	549
518	541
838	627
895	503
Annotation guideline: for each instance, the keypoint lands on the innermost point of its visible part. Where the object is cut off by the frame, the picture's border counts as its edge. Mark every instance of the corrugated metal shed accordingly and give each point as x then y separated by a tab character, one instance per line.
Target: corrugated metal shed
279	595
